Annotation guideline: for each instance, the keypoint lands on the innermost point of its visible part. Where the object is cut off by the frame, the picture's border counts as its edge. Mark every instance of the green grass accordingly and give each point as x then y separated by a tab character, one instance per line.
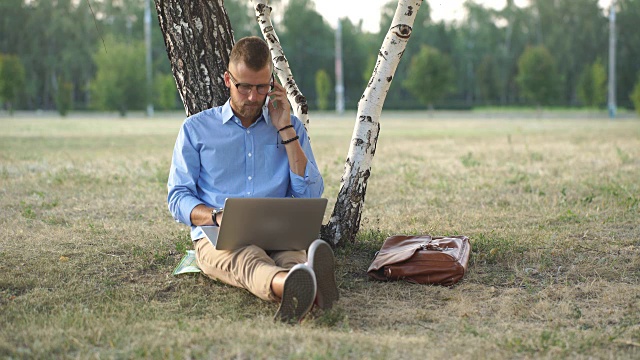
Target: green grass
552	207
552	111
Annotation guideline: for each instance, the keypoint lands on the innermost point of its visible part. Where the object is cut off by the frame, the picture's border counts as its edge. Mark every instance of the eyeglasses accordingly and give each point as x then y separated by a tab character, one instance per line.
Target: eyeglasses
245	89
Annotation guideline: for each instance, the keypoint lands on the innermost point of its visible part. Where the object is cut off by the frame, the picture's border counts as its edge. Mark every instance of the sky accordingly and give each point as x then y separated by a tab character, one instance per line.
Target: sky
332	10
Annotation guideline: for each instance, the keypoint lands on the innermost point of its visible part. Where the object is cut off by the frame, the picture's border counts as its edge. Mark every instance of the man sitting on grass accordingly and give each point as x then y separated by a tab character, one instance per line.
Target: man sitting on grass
229	151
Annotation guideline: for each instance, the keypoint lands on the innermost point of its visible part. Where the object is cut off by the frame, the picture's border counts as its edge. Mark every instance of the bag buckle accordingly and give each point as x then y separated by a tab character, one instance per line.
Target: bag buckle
430	246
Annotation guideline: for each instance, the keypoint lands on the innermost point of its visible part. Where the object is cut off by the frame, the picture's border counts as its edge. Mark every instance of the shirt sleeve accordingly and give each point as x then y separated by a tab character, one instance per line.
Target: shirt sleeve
183	178
312	184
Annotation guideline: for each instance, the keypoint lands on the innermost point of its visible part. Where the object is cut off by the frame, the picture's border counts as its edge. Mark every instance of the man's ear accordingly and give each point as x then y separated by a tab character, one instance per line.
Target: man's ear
227	80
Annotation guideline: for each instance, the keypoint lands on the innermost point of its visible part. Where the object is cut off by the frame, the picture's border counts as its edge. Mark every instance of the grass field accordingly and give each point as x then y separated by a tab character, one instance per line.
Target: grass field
552	207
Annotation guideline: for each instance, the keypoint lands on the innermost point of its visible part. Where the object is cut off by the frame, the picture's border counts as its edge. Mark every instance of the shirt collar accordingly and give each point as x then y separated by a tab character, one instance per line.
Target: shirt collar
227	113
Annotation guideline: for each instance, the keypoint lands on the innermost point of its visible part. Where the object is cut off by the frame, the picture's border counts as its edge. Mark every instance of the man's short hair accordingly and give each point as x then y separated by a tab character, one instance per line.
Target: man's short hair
252	51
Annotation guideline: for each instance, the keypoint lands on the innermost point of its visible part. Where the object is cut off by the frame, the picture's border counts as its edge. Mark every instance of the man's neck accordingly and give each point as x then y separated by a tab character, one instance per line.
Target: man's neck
246	122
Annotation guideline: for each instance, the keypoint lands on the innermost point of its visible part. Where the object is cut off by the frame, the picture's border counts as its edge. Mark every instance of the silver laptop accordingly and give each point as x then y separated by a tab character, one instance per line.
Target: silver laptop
269	223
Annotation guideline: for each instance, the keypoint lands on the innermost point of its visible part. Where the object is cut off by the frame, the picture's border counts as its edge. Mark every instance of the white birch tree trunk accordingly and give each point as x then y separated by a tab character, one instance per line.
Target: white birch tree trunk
280	63
345	219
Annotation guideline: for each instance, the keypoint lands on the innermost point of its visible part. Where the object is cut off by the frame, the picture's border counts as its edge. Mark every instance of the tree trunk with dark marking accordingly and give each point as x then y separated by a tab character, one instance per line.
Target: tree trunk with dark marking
280	63
345	219
198	38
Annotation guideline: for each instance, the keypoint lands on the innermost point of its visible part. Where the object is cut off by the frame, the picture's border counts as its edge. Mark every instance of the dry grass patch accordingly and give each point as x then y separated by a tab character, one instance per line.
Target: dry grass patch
552	208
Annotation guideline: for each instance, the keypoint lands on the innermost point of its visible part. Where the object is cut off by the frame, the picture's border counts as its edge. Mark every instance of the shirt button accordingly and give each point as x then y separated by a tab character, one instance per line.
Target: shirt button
249	178
248	131
249	154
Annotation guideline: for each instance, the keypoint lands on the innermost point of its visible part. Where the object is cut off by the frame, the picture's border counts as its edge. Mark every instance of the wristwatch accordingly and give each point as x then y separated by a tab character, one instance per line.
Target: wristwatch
214	213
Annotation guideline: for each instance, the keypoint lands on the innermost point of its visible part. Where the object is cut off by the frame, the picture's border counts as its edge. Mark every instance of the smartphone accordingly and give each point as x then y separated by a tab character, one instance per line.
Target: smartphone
273	81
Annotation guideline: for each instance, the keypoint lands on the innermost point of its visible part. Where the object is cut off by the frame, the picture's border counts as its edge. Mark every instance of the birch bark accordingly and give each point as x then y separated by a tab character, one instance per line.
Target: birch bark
280	63
345	219
198	38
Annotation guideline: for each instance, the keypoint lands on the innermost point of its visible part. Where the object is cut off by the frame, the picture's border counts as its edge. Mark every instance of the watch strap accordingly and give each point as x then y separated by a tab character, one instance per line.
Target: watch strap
214	214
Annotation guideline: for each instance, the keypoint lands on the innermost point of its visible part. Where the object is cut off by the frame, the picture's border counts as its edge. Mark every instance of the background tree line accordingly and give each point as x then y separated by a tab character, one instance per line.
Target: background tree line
89	54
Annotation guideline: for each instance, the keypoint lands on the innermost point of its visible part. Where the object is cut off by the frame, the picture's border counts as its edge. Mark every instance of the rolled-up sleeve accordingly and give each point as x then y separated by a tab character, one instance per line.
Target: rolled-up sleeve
182	183
309	186
312	184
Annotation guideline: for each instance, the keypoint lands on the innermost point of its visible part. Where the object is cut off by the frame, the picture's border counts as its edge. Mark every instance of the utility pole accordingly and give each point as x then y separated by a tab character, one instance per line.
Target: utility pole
147	43
338	70
612	60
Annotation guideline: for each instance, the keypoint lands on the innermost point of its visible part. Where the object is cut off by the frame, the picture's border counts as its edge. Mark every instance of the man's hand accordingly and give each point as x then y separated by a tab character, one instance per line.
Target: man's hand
279	107
280	113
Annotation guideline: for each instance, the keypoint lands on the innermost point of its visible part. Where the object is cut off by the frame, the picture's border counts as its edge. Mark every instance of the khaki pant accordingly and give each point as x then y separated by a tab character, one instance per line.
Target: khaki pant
249	267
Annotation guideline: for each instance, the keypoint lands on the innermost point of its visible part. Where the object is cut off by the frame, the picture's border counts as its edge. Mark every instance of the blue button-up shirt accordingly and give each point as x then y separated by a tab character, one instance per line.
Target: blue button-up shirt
215	158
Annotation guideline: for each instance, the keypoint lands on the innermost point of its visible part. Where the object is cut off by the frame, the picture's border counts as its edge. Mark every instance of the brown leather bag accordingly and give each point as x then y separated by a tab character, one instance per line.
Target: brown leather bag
422	259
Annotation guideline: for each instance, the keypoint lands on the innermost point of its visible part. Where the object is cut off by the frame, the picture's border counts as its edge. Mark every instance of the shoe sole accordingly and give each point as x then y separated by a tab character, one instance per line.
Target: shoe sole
322	261
298	295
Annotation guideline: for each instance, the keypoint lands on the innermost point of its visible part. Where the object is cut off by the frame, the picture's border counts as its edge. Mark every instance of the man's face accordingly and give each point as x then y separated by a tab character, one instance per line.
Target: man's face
247	106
